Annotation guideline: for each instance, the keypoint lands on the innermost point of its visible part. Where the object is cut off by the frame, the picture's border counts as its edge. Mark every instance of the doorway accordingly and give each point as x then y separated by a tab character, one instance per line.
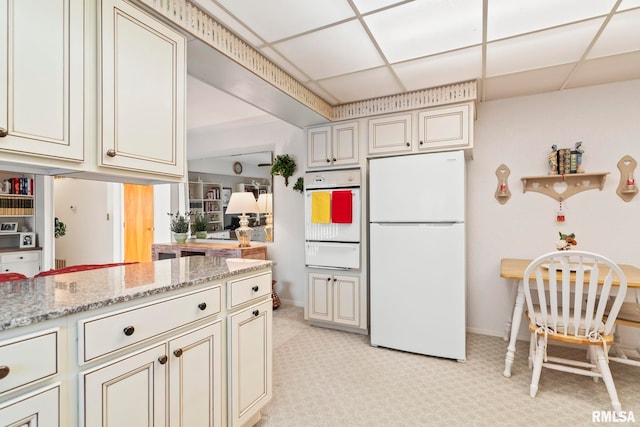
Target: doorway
138	222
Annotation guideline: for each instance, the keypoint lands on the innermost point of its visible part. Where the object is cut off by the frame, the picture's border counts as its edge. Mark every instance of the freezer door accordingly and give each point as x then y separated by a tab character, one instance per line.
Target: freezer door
417	188
417	288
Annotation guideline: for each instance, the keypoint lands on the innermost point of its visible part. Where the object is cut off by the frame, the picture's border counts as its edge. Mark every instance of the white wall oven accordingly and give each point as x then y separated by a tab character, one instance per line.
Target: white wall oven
333	219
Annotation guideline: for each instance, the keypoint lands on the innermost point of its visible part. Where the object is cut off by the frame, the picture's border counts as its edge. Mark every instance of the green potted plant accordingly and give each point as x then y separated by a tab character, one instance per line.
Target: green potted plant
299	185
285	166
60	228
199	226
179	225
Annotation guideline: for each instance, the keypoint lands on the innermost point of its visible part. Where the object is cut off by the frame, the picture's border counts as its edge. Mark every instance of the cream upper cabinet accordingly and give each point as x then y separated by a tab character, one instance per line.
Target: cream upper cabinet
336	145
448	127
41	83
143	69
390	134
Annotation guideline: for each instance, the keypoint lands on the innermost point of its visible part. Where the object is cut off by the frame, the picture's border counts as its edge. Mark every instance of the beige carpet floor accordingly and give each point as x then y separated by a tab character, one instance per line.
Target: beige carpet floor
323	377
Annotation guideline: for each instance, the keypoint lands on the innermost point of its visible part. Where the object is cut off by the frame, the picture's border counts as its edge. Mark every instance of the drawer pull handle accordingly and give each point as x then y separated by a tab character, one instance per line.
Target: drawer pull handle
202	306
177	352
111	152
4	371
162	359
3	132
255	289
129	330
256	312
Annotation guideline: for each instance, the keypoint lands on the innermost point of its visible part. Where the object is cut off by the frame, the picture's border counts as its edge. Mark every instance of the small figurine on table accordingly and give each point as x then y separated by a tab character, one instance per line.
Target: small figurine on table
579	151
553	160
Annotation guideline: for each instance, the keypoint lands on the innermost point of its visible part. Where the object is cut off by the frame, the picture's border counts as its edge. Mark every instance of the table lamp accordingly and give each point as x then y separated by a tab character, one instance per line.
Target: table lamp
265	205
242	203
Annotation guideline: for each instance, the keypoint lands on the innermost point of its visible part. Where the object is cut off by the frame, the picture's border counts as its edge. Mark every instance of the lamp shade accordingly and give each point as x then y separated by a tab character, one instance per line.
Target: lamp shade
265	203
242	202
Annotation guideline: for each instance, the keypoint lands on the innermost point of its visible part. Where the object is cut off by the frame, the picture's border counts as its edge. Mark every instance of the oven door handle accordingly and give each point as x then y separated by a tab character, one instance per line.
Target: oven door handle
329	268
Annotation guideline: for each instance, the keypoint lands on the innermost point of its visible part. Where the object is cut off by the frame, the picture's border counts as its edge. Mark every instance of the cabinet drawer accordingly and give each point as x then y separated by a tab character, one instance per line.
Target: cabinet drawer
28	359
103	334
20	257
248	289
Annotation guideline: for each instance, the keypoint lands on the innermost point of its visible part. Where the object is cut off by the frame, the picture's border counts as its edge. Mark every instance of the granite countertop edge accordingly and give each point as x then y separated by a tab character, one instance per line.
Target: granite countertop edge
36	299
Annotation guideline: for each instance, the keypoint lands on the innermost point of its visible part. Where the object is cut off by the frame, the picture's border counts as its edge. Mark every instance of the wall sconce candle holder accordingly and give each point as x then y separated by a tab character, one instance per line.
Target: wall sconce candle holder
627	187
503	194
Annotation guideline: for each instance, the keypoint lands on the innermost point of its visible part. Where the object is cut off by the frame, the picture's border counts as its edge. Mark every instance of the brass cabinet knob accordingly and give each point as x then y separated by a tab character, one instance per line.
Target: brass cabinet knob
177	352
111	152
4	371
129	330
3	132
162	359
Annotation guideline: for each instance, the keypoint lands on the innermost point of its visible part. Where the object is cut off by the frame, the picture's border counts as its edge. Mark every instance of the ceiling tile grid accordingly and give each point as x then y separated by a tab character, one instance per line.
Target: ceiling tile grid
351	50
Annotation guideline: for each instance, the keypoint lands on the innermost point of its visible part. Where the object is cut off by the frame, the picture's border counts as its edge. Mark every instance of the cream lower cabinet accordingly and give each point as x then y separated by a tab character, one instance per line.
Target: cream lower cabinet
143	75
23	262
41	82
36	409
182	374
250	325
334	298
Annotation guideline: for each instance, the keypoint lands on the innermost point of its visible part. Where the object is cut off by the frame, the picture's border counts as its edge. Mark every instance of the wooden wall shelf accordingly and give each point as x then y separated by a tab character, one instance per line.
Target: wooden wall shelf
561	187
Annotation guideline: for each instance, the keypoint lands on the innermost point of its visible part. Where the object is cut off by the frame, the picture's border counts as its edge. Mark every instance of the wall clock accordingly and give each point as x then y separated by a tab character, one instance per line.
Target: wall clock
237	168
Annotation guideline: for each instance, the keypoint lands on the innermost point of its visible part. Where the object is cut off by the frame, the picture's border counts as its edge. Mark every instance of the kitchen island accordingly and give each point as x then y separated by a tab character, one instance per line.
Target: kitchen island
159	343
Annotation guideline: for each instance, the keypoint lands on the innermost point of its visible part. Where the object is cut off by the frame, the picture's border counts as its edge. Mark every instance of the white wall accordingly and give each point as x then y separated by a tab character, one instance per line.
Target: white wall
83	206
519	133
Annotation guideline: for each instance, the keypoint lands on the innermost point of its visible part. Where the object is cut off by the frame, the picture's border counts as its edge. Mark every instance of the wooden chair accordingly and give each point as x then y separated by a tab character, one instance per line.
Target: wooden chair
570	308
629	315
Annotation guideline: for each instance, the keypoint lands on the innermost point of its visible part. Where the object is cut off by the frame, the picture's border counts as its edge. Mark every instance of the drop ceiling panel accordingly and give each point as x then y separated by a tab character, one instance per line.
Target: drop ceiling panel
277	19
333	51
621	35
284	64
423	28
436	70
507	18
230	22
357	86
541	49
365	6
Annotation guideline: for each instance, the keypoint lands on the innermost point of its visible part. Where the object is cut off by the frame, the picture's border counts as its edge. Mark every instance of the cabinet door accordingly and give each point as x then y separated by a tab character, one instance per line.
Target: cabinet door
320	298
345	144
195	378
41	82
250	359
27	263
143	86
319	147
37	409
127	393
346	300
444	128
390	134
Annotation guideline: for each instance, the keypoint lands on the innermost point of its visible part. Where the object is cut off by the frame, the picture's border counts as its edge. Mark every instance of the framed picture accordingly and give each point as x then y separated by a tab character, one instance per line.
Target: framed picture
8	227
226	195
27	240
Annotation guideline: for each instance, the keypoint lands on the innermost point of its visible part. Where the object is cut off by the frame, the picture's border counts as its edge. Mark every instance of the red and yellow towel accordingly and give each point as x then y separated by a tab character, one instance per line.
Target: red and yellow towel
332	207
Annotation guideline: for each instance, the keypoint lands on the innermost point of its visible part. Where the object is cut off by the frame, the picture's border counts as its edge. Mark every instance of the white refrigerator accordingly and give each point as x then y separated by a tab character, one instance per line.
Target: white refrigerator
417	253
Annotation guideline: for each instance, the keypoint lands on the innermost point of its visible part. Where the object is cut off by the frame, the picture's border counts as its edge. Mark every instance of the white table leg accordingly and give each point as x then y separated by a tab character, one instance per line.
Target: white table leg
513	290
515	326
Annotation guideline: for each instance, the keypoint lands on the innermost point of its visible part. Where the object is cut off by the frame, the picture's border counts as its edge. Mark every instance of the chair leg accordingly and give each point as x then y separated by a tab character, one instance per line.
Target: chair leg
603	366
532	349
537	366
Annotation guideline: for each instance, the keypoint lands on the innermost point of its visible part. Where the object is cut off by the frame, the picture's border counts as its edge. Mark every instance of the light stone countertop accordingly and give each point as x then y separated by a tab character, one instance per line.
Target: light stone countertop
36	300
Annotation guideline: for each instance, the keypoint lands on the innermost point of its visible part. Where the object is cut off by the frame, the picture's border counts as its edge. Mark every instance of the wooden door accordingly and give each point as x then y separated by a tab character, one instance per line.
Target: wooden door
138	222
